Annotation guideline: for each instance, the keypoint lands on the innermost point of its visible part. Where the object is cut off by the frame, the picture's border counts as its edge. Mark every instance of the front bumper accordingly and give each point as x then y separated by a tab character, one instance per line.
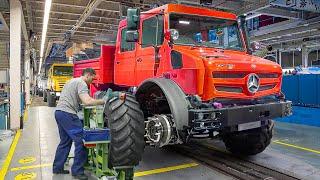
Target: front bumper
237	118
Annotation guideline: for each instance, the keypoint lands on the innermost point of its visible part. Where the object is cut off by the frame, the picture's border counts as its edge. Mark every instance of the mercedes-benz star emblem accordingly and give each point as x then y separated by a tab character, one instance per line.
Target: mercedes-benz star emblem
253	83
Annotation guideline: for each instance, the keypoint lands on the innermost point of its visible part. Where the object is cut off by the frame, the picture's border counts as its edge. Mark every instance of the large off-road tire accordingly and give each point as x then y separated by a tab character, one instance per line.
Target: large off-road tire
249	142
45	95
126	122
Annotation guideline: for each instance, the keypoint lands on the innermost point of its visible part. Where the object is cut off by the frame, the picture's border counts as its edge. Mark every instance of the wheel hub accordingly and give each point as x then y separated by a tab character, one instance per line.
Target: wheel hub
158	130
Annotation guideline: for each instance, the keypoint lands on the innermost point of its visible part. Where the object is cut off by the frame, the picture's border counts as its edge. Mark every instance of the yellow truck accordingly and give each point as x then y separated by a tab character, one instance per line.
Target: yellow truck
58	75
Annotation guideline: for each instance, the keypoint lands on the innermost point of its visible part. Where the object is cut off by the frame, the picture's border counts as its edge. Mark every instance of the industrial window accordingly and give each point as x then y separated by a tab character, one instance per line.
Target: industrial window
152	31
314	58
126	46
297	58
287	59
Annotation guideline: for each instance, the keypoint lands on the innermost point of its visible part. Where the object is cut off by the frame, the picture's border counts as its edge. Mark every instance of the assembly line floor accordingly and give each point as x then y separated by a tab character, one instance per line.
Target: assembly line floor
295	149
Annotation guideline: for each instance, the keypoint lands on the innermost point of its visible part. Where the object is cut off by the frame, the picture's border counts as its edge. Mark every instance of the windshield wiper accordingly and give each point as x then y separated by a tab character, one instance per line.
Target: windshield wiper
198	45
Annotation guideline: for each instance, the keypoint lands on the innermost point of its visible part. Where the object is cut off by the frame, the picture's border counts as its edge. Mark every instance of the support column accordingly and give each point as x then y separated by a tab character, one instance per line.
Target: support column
305	54
280	58
27	72
15	66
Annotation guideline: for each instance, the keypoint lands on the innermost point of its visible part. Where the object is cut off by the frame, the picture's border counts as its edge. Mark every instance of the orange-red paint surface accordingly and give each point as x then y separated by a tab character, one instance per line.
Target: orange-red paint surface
131	68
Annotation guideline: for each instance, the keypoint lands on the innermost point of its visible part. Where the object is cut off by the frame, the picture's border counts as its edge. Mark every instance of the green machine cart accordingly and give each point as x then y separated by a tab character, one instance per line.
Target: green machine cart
97	141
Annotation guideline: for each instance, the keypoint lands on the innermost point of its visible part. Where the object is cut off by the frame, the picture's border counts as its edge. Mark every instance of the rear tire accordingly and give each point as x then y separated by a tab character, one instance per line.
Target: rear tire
126	122
249	142
40	93
45	95
51	100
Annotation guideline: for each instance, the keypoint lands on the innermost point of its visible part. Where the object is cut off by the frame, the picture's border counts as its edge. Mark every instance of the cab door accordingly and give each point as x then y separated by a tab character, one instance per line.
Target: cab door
124	64
152	35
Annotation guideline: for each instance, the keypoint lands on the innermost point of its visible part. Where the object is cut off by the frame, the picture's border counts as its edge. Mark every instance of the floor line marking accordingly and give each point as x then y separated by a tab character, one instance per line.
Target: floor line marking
297	147
8	159
137	174
166	169
26	113
31	167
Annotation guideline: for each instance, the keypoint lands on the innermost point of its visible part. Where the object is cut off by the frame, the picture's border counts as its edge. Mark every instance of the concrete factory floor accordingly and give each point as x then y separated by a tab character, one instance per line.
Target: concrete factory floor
295	150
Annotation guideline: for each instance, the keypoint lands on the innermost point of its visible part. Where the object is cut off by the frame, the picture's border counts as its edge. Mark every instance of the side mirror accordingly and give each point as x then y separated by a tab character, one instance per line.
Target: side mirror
132	36
133	19
171	35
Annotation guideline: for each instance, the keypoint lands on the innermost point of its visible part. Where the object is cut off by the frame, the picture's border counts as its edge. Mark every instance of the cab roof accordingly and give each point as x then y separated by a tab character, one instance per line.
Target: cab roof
185	9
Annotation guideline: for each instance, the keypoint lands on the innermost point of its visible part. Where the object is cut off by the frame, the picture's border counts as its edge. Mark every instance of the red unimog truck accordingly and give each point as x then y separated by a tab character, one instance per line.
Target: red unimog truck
188	73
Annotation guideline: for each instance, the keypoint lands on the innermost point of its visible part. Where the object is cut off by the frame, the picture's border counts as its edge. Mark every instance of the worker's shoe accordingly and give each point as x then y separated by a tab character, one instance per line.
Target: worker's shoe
80	176
61	172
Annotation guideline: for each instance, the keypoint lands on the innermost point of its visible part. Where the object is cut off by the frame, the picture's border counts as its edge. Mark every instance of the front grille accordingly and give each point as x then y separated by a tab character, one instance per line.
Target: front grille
228	75
268	75
225	75
61	85
266	87
229	89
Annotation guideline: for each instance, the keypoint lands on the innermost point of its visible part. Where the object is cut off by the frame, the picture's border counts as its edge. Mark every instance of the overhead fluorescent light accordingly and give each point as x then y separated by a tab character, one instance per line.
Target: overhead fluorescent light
47	8
184	22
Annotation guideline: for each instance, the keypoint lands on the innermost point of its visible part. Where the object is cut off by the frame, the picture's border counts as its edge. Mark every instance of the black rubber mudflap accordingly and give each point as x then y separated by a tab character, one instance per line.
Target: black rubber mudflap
249	142
126	122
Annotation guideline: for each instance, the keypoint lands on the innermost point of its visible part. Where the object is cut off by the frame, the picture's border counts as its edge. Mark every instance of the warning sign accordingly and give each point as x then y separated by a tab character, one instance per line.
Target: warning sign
27	160
26	176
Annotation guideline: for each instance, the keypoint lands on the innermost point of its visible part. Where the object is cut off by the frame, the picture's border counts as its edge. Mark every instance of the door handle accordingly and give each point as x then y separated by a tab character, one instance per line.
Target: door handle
118	62
139	60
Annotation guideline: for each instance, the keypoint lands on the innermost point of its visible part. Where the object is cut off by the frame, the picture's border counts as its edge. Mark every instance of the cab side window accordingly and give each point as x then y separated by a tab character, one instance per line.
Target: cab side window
125	46
152	31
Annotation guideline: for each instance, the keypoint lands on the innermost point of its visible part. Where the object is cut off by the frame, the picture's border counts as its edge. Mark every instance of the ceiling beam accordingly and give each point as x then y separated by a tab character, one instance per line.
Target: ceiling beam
217	4
81	30
275	27
289	38
5	25
91	18
295	30
65	7
277	12
30	15
249	7
112	15
85	25
23	25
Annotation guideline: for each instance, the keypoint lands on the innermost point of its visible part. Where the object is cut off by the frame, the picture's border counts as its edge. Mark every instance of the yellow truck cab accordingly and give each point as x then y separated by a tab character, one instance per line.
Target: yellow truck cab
58	75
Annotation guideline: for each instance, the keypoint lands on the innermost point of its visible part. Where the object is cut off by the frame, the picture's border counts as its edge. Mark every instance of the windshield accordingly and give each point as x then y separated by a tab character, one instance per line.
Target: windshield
206	31
63	71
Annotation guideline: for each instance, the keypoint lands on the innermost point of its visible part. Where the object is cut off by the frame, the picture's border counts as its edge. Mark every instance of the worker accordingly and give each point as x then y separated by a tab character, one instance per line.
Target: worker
70	127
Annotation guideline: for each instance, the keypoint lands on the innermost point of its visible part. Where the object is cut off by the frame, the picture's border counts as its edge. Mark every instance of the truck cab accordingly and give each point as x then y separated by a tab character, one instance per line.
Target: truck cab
58	75
195	66
202	50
